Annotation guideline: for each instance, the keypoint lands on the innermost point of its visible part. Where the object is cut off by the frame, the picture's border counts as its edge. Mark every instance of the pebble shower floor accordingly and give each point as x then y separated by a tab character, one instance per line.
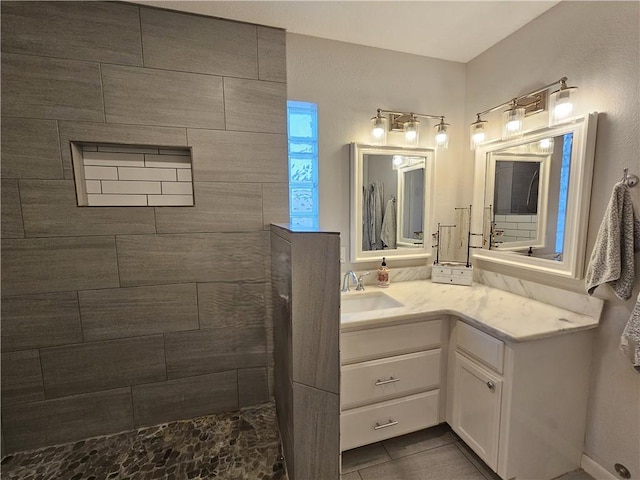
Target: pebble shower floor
242	445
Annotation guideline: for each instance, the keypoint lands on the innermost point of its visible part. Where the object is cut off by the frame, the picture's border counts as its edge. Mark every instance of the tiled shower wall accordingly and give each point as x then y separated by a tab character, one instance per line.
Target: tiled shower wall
116	317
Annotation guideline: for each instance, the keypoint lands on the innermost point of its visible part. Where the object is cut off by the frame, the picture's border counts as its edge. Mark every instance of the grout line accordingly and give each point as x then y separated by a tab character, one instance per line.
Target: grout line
141	36
80	315
104	107
224	105
24	232
164	351
115	242
198	306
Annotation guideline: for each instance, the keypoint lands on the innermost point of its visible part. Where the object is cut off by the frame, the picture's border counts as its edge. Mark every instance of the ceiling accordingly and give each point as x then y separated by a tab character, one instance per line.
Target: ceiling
450	30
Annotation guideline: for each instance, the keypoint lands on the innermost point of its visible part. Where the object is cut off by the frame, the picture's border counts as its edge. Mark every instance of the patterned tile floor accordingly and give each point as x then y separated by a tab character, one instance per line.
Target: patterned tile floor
239	445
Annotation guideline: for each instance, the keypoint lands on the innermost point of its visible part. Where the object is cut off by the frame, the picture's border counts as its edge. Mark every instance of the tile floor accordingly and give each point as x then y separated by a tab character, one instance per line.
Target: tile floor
432	454
237	445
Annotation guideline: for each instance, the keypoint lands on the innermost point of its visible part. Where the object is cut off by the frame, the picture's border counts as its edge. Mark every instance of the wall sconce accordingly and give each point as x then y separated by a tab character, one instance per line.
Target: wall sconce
525	105
407	123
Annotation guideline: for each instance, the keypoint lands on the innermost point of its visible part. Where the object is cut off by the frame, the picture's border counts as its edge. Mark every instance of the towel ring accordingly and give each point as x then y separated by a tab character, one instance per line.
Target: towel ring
630	179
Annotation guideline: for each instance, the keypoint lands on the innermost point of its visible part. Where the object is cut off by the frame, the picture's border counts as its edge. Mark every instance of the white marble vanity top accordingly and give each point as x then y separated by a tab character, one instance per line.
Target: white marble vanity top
502	314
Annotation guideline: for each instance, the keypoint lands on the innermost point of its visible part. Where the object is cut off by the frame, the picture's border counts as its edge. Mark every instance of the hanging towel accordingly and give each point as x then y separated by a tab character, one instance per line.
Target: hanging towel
372	201
630	340
388	233
612	259
366	218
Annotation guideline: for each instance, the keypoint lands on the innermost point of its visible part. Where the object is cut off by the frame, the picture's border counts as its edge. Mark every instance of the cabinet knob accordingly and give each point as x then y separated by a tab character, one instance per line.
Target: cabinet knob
491	385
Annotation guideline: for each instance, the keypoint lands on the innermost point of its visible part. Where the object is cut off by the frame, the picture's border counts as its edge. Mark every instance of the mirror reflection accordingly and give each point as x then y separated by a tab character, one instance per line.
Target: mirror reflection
527	196
391	202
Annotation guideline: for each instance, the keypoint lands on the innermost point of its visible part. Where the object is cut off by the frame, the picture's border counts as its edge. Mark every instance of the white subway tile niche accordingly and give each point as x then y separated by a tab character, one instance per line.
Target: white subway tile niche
132	175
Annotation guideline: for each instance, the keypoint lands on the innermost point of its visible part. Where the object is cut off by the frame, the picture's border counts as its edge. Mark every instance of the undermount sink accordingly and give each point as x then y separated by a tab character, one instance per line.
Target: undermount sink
366	302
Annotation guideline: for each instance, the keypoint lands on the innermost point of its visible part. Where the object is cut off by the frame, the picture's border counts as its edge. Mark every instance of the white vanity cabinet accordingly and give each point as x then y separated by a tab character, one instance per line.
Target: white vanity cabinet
391	377
520	406
477	397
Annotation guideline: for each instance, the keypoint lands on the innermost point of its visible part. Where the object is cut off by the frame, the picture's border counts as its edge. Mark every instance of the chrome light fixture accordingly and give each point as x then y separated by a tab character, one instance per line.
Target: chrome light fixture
525	105
513	121
411	131
562	102
379	129
442	137
478	134
407	123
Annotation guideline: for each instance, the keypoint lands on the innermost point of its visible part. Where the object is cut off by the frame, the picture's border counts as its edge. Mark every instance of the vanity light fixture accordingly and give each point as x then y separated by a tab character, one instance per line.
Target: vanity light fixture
512	121
407	123
478	134
524	105
562	102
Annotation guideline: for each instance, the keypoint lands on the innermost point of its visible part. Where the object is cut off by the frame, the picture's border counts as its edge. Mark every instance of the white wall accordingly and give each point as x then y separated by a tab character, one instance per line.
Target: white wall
595	44
348	82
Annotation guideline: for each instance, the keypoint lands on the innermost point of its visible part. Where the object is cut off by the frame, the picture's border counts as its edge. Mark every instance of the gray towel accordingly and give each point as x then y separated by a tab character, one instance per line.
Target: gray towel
372	200
630	340
612	259
388	233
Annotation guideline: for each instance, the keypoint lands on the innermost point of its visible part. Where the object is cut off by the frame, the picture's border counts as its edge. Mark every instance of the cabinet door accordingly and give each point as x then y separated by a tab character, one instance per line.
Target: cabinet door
476	408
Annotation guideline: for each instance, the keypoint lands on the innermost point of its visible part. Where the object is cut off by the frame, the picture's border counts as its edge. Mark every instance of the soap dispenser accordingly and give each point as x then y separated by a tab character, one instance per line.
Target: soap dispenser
383	274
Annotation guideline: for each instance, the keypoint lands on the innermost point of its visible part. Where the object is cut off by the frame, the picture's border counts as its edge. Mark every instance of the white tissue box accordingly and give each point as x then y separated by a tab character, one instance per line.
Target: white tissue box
455	274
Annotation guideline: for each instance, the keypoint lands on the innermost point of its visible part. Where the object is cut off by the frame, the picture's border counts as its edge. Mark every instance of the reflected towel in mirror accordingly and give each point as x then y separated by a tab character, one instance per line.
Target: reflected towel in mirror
389	225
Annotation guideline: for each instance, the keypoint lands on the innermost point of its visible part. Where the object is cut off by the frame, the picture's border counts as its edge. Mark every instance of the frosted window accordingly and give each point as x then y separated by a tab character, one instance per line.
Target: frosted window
564	191
302	123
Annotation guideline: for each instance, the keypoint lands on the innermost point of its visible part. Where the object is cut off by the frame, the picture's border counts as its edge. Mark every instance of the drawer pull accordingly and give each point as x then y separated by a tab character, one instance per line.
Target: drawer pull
491	385
384	382
390	424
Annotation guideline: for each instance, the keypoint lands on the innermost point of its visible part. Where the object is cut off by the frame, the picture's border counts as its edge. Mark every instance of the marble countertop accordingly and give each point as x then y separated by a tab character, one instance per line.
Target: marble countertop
505	315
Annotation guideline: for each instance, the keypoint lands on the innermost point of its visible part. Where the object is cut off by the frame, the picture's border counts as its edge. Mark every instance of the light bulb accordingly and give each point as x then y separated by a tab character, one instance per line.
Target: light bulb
411	131
477	133
397	160
513	120
478	137
562	101
442	138
379	130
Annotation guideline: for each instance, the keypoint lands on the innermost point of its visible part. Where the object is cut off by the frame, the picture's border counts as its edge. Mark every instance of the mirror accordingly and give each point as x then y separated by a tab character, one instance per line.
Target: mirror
535	192
391	202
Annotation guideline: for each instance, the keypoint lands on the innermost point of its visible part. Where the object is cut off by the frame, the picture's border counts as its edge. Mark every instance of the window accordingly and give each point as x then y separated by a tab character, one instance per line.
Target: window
564	191
302	125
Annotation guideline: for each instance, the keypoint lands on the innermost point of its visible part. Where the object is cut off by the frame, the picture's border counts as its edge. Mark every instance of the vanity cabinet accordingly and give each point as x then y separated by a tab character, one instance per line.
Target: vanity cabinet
391	378
478	392
520	406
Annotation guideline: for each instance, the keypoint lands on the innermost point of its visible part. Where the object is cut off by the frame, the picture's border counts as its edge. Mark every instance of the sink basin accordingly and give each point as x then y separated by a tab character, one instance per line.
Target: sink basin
366	302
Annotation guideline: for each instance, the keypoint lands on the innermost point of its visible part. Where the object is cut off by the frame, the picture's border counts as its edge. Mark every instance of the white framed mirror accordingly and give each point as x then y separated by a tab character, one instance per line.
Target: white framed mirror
534	195
391	193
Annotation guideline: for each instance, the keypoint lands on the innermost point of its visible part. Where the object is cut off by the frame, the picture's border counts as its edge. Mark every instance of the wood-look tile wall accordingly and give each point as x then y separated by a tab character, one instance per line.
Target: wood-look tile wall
115	317
305	294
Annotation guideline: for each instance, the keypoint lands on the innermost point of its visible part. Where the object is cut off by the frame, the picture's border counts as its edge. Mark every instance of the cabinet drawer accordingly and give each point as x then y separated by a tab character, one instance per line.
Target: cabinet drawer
386	378
374	423
484	347
385	341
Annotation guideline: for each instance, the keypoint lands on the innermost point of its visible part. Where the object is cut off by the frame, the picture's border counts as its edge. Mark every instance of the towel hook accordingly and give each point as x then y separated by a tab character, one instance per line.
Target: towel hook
630	179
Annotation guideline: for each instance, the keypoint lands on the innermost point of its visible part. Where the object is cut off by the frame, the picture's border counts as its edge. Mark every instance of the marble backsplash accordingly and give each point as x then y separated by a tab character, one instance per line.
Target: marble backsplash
575	302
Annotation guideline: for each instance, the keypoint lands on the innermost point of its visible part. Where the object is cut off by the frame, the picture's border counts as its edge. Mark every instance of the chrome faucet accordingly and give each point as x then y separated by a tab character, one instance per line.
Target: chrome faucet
345	280
356	280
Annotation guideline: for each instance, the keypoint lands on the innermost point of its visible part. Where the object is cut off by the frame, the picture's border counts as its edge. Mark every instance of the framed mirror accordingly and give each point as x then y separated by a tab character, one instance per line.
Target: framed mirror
534	194
391	202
